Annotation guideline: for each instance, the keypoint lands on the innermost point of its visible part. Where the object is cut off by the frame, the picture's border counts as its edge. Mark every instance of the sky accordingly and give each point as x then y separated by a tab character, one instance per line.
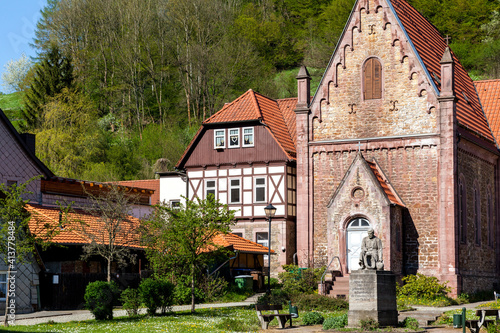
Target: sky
18	20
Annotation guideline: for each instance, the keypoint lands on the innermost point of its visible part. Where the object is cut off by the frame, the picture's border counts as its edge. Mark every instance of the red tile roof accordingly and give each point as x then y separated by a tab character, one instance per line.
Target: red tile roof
239	244
386	187
430	46
151	184
277	115
489	94
45	219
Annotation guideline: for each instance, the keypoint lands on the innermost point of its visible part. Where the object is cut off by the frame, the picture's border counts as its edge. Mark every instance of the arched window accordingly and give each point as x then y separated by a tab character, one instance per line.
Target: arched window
462	212
372	79
477	216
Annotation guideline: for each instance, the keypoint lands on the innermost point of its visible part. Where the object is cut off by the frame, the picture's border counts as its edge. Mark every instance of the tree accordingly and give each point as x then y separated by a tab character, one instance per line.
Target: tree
17	243
52	74
15	73
111	231
185	235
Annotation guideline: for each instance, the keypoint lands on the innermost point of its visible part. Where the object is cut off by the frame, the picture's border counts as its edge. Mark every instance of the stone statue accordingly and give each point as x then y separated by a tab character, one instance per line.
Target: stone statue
371	252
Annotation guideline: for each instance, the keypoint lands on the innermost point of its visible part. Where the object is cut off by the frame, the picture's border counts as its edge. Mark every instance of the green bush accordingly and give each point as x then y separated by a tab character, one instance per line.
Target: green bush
316	302
410	323
99	298
313	318
493	328
156	294
335	322
369	324
131	301
298	281
277	296
182	292
424	290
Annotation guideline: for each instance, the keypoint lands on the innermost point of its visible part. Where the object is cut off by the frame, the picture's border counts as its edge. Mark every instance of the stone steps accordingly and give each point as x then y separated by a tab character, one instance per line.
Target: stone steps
424	318
340	288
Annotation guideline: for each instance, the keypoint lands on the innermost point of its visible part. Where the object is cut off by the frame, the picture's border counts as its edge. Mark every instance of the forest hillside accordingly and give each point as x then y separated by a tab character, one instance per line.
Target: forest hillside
120	86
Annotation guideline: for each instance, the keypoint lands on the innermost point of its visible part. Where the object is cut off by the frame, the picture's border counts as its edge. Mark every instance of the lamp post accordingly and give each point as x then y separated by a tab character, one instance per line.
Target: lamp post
270	211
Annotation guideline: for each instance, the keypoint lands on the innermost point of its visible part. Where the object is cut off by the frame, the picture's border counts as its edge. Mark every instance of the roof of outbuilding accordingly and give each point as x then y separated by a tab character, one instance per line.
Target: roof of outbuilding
489	94
46	220
239	244
386	187
430	46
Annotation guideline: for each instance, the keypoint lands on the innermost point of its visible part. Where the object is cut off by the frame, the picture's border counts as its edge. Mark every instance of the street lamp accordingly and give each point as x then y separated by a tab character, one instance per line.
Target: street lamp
270	211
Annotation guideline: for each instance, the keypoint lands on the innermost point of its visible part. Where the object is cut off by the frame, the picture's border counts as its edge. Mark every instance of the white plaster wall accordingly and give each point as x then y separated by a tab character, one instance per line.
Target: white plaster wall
172	188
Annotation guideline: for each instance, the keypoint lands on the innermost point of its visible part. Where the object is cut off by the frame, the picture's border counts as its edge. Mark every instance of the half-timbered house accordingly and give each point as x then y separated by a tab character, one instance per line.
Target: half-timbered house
244	155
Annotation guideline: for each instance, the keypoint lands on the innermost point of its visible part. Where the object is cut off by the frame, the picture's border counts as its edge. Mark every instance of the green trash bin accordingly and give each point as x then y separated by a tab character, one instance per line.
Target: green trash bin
457	320
244	281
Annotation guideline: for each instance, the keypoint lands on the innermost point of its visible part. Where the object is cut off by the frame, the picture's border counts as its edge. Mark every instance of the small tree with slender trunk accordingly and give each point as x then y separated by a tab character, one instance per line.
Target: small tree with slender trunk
111	231
174	235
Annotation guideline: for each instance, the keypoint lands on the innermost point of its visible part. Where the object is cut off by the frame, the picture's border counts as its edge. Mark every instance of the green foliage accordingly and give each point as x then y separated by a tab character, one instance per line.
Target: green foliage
493	328
423	290
297	281
312	318
335	322
52	74
156	294
369	324
277	296
316	302
131	301
183	291
99	298
186	234
491	305
213	287
410	323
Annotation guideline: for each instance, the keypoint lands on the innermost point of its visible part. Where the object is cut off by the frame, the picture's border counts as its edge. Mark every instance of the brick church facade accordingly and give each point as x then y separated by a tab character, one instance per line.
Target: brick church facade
395	139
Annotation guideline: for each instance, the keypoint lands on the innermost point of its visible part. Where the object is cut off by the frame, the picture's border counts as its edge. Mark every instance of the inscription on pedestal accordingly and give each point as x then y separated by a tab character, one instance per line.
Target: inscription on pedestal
372	295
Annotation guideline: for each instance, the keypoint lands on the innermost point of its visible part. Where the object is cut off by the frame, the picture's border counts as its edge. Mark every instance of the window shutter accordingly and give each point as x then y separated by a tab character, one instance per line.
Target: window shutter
377	86
372	79
368	79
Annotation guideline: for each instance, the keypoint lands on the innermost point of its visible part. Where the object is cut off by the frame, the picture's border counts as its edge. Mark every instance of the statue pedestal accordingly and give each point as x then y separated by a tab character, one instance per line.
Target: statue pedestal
372	295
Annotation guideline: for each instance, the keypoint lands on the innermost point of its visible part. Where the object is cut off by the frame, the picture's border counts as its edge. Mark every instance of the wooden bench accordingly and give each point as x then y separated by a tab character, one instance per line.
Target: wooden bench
265	319
475	325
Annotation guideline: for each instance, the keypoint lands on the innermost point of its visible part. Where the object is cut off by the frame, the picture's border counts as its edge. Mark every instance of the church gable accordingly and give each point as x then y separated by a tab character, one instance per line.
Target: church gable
375	85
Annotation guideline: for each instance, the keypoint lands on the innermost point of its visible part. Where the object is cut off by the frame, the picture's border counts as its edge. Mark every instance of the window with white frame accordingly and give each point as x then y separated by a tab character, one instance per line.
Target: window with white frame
220	139
3	285
260	189
209	187
248	137
234	190
234	137
175	203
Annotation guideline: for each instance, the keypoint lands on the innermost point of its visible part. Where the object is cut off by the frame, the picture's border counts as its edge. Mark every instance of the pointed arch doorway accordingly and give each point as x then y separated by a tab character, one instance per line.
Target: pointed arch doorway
356	231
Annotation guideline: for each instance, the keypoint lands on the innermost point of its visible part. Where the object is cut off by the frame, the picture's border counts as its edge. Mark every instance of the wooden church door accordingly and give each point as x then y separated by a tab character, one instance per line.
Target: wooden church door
356	231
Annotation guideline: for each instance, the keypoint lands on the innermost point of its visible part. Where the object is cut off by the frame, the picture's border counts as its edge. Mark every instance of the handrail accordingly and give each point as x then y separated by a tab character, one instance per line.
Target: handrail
326	270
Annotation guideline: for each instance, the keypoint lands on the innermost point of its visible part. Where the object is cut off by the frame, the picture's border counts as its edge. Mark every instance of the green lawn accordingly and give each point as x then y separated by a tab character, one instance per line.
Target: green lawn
204	321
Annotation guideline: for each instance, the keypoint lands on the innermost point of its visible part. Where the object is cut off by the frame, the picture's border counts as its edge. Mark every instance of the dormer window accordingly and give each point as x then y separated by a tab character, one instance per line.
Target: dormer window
234	138
220	139
248	137
372	79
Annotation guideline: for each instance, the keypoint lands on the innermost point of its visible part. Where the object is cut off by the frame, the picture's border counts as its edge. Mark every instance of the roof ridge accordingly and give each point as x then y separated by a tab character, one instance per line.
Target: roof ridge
487	80
256	104
227	105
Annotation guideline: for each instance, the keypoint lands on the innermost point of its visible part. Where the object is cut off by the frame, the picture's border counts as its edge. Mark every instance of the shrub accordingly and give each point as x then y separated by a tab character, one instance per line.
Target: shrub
99	298
335	322
313	318
493	328
213	287
369	324
277	296
425	290
410	323
156	294
316	302
182	292
297	281
131	301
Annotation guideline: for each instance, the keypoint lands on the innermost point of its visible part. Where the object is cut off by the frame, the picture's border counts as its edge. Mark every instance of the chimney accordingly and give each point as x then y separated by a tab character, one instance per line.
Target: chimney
447	78
303	88
29	141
